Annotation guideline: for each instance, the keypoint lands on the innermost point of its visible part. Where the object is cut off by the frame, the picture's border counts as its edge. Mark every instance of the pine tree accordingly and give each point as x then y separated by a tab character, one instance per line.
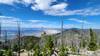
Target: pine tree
49	45
1	53
9	53
93	43
63	51
36	50
15	48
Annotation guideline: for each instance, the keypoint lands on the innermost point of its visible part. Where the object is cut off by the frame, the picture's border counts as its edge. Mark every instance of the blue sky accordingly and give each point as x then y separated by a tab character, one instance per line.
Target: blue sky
48	13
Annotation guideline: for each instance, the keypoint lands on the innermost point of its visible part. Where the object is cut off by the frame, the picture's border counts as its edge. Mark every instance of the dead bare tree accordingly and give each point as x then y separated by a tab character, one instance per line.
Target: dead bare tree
5	44
18	35
0	29
6	36
0	25
62	31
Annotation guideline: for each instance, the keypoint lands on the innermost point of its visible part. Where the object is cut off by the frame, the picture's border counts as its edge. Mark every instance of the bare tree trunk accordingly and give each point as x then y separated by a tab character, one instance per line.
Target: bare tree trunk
0	25
62	42
0	29
0	36
6	37
18	35
5	44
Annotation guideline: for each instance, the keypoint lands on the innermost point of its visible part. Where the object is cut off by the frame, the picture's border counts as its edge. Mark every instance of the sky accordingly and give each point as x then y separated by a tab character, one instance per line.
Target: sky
49	13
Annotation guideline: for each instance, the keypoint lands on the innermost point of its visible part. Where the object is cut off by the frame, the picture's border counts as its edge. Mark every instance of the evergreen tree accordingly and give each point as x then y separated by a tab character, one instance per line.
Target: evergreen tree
15	48
49	45
36	50
93	43
63	51
47	49
1	53
9	53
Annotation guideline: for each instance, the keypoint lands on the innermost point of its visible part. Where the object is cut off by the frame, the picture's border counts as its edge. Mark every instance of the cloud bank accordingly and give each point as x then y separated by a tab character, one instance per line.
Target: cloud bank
11	22
79	21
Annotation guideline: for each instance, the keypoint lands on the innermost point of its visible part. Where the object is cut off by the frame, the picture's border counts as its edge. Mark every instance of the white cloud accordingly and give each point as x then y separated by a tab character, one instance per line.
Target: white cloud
57	9
26	2
51	31
90	11
12	23
67	26
38	21
8	21
85	12
34	8
80	21
59	6
60	9
47	8
9	2
42	4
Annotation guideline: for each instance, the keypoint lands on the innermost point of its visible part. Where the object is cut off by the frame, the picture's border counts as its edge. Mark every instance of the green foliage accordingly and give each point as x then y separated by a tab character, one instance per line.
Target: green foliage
63	51
37	53
44	52
1	53
15	48
9	53
0	42
73	49
29	46
83	43
6	53
49	45
6	47
29	42
93	36
47	48
36	50
92	44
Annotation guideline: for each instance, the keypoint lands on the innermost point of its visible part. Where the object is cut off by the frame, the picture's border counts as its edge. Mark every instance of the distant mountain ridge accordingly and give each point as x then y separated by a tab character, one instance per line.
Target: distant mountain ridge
74	35
37	32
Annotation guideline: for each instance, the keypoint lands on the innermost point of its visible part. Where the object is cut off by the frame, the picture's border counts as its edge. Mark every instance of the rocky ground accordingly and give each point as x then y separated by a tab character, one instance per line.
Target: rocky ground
83	53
